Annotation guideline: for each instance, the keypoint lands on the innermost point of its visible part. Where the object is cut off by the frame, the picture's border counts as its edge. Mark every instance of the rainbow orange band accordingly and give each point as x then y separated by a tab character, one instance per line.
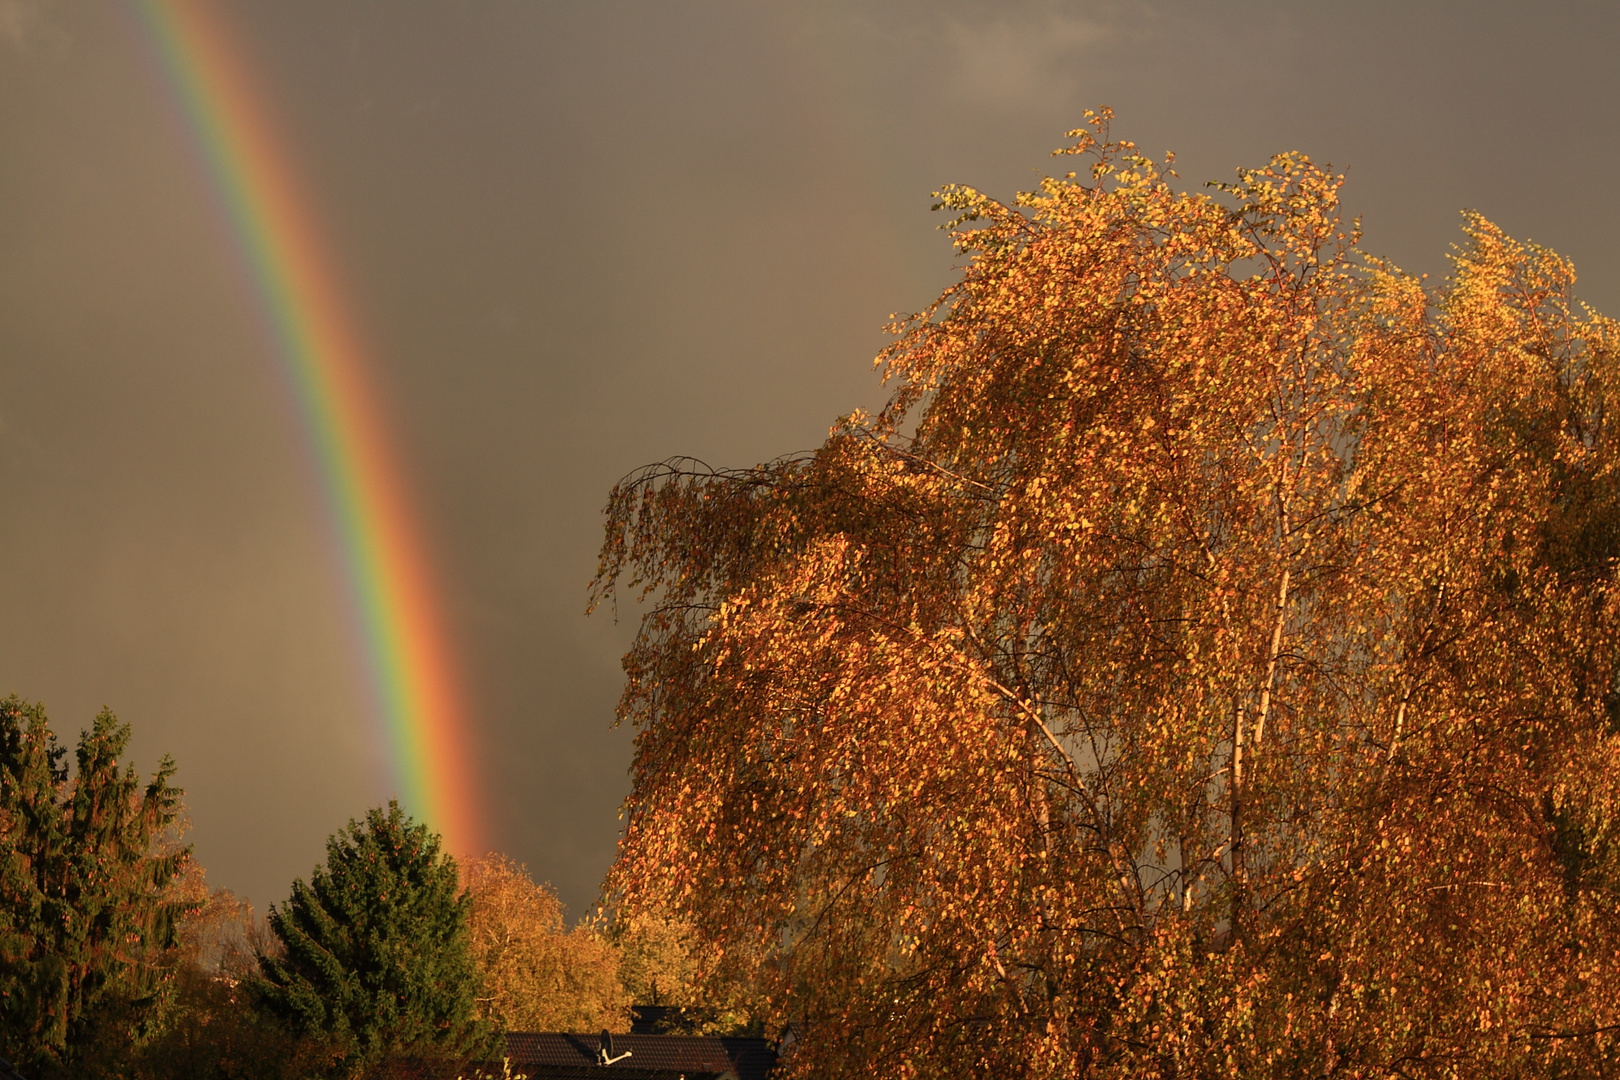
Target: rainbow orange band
408	656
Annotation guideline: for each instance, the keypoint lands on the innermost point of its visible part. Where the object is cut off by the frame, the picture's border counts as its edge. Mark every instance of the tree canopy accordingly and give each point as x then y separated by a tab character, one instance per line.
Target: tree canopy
1204	665
534	973
87	912
537	974
375	957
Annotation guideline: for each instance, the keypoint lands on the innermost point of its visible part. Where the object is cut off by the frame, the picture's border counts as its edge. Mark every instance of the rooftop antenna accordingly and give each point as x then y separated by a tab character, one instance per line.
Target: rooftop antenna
604	1052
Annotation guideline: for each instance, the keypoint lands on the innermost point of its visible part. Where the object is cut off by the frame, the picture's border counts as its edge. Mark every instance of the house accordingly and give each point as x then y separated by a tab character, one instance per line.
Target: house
652	1050
638	1056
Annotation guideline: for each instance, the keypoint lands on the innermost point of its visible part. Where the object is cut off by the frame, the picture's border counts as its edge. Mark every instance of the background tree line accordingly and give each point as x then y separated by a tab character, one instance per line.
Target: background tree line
116	960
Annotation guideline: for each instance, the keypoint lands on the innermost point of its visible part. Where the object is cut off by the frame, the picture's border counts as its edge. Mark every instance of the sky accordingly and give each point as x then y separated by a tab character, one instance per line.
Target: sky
581	237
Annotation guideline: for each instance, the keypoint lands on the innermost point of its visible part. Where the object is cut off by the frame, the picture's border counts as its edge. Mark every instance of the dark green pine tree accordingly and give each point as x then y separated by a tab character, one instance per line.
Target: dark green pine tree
87	919
375	960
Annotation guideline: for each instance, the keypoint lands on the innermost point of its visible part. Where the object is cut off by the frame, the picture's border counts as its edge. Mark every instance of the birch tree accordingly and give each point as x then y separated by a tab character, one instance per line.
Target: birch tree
1203	665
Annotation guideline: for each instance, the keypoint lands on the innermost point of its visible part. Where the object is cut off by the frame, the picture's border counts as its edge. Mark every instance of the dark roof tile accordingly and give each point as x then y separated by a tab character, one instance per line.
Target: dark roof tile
693	1055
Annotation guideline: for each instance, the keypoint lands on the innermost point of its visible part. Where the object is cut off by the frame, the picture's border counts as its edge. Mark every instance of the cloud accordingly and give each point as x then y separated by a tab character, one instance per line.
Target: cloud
1018	55
26	26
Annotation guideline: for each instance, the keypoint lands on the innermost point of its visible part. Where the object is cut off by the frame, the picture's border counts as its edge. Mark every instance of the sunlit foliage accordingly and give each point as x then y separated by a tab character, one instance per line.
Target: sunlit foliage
535	974
1204	665
663	961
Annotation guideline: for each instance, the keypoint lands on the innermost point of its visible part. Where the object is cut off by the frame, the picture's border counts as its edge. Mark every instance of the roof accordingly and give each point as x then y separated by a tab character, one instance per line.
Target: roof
556	1055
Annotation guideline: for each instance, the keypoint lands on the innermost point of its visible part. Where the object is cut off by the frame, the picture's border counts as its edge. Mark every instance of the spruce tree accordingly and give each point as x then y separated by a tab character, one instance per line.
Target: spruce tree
87	915
375	960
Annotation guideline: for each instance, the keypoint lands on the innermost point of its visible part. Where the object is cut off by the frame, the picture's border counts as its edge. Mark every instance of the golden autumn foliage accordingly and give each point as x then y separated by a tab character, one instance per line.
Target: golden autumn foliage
534	973
657	964
1207	663
662	962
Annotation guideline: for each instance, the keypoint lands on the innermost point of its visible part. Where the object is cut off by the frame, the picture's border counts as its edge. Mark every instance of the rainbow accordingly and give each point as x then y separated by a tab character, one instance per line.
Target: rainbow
410	665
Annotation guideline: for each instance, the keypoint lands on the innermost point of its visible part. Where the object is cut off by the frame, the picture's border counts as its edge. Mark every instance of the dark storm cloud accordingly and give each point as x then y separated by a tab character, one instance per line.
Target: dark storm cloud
582	237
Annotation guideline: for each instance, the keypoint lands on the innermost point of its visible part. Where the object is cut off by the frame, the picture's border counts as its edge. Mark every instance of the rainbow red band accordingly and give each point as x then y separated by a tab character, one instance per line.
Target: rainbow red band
411	673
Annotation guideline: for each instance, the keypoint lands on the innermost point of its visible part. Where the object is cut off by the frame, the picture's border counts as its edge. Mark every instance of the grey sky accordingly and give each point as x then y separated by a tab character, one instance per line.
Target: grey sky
581	237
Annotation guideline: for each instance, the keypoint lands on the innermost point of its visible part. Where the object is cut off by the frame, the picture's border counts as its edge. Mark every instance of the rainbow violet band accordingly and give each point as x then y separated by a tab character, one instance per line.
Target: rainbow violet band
409	660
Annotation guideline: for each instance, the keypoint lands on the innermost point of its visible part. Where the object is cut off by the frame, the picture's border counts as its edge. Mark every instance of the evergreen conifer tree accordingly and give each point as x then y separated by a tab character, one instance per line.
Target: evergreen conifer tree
376	960
87	914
